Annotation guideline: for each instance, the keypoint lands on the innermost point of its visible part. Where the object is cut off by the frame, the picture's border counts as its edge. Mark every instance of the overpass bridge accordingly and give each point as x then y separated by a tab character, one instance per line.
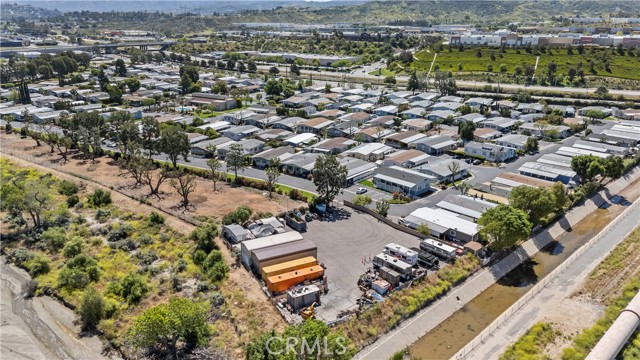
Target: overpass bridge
108	48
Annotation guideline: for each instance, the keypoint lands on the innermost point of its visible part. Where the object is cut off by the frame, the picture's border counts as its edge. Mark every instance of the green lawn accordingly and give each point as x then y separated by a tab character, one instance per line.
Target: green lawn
384	73
621	66
287	189
367	183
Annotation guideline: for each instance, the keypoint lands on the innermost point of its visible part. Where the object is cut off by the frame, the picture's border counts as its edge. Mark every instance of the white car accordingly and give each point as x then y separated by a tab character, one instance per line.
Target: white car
361	190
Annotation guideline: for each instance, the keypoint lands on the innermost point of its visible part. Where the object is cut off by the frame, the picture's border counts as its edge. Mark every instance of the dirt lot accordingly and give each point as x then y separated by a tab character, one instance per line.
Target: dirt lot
249	310
104	171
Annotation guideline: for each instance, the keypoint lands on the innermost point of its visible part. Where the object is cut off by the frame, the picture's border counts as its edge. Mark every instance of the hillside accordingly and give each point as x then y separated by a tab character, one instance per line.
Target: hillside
436	11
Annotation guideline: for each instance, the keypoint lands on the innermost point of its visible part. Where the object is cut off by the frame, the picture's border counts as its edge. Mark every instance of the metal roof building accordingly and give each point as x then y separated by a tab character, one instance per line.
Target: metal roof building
276	254
247	247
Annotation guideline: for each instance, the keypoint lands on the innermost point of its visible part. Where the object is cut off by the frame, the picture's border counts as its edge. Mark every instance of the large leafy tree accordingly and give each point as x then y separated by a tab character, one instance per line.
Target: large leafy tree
273	173
175	144
466	129
580	164
163	326
503	226
613	167
535	202
329	177
32	196
149	134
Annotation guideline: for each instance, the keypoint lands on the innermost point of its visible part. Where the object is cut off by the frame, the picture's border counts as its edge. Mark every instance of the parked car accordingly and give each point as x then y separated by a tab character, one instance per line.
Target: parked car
361	191
477	162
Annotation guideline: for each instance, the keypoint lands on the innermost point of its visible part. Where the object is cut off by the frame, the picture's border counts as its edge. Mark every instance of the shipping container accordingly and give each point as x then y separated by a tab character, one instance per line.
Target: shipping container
250	245
279	283
398	251
393	277
276	254
287	266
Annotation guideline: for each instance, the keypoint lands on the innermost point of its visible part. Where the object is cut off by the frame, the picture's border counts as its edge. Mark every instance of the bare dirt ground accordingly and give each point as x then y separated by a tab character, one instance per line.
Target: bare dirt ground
104	171
249	308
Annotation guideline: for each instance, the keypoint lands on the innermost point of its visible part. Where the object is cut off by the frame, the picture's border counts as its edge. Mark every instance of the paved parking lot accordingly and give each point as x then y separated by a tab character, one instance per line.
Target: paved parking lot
342	244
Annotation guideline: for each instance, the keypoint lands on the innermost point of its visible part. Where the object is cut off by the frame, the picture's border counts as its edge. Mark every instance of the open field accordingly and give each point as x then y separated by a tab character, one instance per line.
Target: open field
206	203
620	66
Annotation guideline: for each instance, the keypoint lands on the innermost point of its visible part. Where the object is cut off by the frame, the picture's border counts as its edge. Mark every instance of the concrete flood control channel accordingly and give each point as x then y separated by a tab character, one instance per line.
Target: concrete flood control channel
460	328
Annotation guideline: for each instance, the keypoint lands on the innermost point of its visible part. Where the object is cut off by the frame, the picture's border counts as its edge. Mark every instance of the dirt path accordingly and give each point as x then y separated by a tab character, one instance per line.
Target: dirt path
38	328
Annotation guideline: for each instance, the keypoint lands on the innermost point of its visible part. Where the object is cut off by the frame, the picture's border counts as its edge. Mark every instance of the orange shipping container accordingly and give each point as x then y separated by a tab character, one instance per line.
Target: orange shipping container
287	266
282	282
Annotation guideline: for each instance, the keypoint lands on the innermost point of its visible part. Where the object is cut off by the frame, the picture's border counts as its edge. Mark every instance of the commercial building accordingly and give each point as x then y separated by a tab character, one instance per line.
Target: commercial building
247	247
444	224
276	254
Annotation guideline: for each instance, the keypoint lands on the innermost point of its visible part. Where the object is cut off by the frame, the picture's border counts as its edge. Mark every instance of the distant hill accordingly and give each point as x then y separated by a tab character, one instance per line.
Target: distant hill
443	12
198	6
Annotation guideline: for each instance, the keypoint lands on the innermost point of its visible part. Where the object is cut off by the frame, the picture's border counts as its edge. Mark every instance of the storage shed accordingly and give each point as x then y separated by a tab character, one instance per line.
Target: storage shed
287	266
276	254
251	245
279	283
303	296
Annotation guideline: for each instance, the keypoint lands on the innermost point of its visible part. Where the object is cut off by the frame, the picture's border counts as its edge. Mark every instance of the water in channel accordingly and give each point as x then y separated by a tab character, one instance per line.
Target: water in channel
460	328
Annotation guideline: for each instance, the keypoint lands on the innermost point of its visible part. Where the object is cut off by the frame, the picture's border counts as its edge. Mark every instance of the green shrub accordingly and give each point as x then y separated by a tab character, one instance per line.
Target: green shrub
21	255
199	256
73	247
204	237
78	272
91	309
239	216
55	238
100	198
134	288
38	265
155	219
67	188
72	200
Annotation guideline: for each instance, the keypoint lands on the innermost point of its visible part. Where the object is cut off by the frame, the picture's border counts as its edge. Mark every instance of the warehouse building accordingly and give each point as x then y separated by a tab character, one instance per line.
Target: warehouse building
276	254
247	247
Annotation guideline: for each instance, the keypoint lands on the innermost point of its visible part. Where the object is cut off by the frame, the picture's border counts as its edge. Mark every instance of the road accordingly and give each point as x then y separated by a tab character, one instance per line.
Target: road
558	290
410	331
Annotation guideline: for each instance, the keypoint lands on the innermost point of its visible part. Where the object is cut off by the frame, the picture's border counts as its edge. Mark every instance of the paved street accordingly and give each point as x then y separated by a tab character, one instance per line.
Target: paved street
410	331
557	291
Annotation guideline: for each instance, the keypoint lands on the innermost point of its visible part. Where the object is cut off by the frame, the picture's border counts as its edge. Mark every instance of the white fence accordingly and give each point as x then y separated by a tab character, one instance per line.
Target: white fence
507	314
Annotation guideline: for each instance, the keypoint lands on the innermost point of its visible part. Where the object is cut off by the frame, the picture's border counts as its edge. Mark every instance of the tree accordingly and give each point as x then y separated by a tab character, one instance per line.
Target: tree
535	202
580	164
91	309
214	166
120	69
424	230
466	130
273	87
602	92
133	84
295	69
382	207
464	187
32	196
174	143
559	195
235	160
613	167
251	66
328	177
184	184
413	84
153	177
273	173
149	134
503	226
531	145
162	326
445	83
274	71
